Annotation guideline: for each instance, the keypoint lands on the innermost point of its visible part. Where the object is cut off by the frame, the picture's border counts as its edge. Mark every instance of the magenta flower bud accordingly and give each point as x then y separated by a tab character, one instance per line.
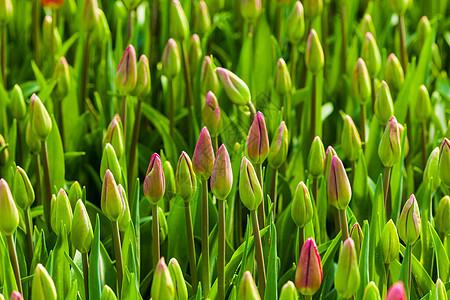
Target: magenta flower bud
236	89
389	149
41	123
208	79
347	278
222	174
282	80
114	136
203	161
328	158
179	24
396	292
143	83
444	162
308	276
154	183
211	114
171	64
111	201
258	140
338	189
250	190
279	147
185	178
409	223
350	140
16	296
126	73
9	215
360	85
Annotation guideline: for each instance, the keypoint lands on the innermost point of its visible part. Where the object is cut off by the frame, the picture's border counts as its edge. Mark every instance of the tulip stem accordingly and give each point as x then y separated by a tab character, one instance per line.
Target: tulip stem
52	42
123	117
29	228
14	261
252	110
118	255
409	269
189	92
403	53
374	95
301	239
315	189
387	274
261	210
191	247
424	145
273	190
38	179
259	254
205	239
129	25
86	274
216	144
155	227
37	31
312	132
171	107
343	223
293	63
47	184
344	38
308	297
3	55
134	142
353	172
84	74
386	179
363	126
280	14
221	252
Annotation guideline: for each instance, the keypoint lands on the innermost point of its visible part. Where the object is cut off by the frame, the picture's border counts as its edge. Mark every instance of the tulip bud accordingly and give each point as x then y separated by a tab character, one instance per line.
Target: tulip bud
444	162
222	174
250	190
195	52
423	105
338	189
16	296
109	162
178	25
367	25
75	194
251	10
111	202
119	14
440	292
295	24
401	129
371	55
357	236
203	161
90	16
288	292
399	6
389	149
82	234
313	8
114	136
409	224
316	158
314	53
41	124
154	183
211	114
31	139
126	73
125	218
42	287
371	292
347	279
50	35
186	180
328	159
209	80
162	287
132	4
282	80
177	277
61	213
390	242
279	147
384	107
143	83
101	32
6	11
247	288
9	216
301	208
360	84
4	154
23	190
431	172
236	89
436	56
108	294
18	107
171	64
258	140
52	4
394	72
423	31
62	77
202	20
169	180
396	292
350	140
442	220
308	276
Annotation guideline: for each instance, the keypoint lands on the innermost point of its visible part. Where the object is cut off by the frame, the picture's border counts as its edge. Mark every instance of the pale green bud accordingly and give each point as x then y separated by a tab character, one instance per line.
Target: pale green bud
82	234
23	190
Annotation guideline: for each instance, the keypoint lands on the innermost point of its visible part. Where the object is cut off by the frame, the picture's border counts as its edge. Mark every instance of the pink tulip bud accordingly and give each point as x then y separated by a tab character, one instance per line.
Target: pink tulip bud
258	140
235	88
203	161
126	73
328	158
222	174
396	292
389	149
339	190
154	183
16	296
409	223
308	276
444	162
114	136
211	113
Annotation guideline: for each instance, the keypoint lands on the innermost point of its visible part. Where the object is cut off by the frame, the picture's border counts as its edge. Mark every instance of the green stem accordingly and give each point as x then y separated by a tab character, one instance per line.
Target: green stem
191	247
424	145
273	190
386	266
60	120
308	297
386	179
118	255
403	52
293	63
171	108
38	179
47	184
280	14
315	189
216	143
205	239
129	25
301	239
374	95
343	224
221	251
14	261
86	275
189	92
123	117
312	132
261	209
409	272
19	152
84	74
29	227
363	126
155	227
134	143
52	42
353	171
259	254
344	38
3	55
37	31
252	110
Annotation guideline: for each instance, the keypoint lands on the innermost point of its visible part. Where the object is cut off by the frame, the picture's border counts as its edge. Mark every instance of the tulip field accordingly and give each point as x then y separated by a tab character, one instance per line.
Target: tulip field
224	149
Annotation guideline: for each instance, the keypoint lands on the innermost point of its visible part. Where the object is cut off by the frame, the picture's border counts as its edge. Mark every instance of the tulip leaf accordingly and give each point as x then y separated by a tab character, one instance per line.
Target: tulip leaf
78	273
177	223
364	261
376	227
442	261
61	268
40	255
95	270
272	270
56	156
425	238
9	282
396	183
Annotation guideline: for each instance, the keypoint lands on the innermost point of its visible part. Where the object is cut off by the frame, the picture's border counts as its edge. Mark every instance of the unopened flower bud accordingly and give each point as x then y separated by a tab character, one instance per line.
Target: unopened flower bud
251	10
125	218
52	4
126	73
350	140
208	79
329	154
279	147
62	77
23	190
371	292
247	288
33	142
42	287
195	52
409	224
202	20
154	183
316	158
301	207
423	105
308	276
394	72
41	123
436	56
61	213
9	215
111	202
442	219
314	53
108	294
431	172
6	11
357	236
402	131
235	88
169	177
371	55
396	292
50	35
347	279
203	161
399	6
109	162
90	15
367	25
338	189
295	24
222	174
211	114
132	4
250	190
389	149
75	194
440	292
313	8
186	179
102	32
179	24
4	154
360	84
114	136
143	83
171	64
82	234
423	31
384	107
288	292
162	287
177	277
282	80
389	242
444	162
16	296
18	107
258	140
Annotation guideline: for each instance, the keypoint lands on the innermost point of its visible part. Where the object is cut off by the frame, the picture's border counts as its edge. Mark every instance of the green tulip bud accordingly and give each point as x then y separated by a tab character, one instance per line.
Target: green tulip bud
82	234
384	107
389	149
18	107
339	190
6	11
176	274
154	183
288	292
179	24
389	242
62	77
195	52
50	35
314	53
350	140
371	55
202	19
108	294
31	139
125	218
109	162
282	80
4	154
211	114
203	161
396	292
162	287
42	287
1	297
114	136
295	24
308	276
186	179
119	14
423	31
360	84
371	292
61	213
394	72
235	88
347	279
41	123
444	162
251	10
329	154
126	73
442	219
143	83
75	194
401	129
16	296
247	288
357	236
163	227
423	105
250	190
8	211
90	15
111	202
316	158
102	32
409	224
208	78
399	6
23	190
171	64
431	172
222	174
313	8
132	4
440	292
436	56
279	147
169	180
301	207
367	25
258	140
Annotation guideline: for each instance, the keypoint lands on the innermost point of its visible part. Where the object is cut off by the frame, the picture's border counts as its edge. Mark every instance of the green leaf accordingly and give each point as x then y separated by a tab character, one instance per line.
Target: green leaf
442	261
95	271
364	261
61	268
78	273
40	255
272	270
56	156
9	281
